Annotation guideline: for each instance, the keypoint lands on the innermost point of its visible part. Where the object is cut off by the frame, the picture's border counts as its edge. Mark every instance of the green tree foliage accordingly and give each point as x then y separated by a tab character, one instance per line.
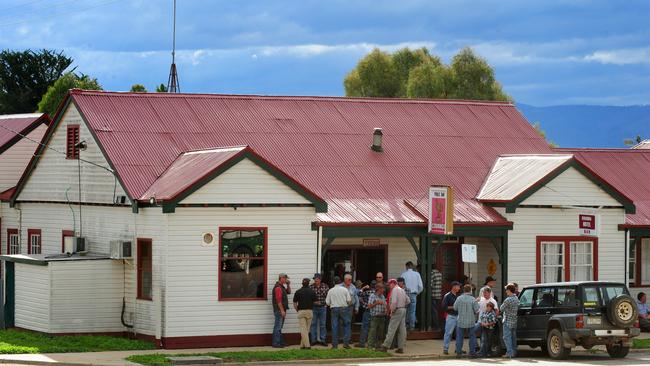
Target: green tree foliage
410	73
161	88
139	88
25	77
538	127
57	92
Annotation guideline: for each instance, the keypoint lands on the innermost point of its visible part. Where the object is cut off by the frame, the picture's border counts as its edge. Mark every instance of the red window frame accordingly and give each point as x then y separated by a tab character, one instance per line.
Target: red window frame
265	257
65	234
9	233
31	232
638	268
142	268
72	138
567	254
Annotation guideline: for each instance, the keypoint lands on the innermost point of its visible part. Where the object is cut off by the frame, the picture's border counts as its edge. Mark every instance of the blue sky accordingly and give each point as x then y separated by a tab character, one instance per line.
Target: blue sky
544	52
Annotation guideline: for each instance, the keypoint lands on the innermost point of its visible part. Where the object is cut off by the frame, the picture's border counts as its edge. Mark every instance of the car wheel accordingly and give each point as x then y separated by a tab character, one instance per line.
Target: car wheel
617	351
555	346
622	311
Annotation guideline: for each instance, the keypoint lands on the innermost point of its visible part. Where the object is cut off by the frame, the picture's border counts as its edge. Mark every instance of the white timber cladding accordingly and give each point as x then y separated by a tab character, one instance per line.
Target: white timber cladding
191	300
32	297
571	188
54	174
532	222
245	182
86	296
101	225
399	249
486	252
14	160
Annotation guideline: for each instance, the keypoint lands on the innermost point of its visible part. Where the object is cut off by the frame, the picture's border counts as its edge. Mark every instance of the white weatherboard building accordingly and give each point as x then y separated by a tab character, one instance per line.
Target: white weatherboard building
215	195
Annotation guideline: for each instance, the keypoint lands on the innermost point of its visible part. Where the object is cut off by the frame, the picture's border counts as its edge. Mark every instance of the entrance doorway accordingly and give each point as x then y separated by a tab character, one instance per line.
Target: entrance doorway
448	261
362	262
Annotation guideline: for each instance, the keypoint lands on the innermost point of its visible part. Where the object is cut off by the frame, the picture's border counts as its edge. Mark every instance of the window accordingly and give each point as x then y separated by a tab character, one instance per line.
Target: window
71	151
561	259
242	274
545	297
145	288
13	241
566	297
526	298
631	269
65	234
645	261
33	241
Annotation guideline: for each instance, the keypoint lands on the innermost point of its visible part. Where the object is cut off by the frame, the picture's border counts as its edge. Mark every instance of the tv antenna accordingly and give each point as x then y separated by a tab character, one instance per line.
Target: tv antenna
172	83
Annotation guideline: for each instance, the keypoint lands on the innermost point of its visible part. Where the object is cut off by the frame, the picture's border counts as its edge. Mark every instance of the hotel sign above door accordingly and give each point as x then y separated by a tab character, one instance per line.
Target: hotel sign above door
441	210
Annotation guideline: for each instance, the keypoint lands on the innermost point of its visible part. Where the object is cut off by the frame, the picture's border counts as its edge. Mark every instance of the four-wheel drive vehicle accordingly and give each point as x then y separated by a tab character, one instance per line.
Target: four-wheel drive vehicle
560	316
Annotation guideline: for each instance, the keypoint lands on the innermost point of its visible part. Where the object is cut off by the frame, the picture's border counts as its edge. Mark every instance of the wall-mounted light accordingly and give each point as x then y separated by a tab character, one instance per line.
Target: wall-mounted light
152	200
81	145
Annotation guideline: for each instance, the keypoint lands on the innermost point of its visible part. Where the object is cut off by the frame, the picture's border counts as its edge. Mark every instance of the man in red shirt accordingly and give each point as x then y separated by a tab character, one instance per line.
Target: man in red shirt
280	305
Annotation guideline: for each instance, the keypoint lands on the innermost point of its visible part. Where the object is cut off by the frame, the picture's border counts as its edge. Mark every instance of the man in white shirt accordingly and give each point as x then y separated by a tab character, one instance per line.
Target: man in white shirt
414	286
339	300
486	296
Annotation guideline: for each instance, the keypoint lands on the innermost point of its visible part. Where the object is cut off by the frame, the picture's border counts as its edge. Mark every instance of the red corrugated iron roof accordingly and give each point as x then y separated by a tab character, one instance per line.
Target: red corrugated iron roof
11	125
627	170
322	142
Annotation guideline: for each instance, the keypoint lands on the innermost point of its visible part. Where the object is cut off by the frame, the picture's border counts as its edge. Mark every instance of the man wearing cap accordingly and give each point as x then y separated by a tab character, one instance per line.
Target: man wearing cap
399	301
318	333
414	287
303	302
339	300
452	315
280	305
490	282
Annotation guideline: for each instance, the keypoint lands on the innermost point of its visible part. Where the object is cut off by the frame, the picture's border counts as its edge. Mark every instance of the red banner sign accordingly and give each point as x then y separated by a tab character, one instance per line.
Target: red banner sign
441	210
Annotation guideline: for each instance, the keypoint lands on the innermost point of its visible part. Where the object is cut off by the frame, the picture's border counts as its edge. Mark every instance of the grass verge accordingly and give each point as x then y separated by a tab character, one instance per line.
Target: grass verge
641	343
14	341
158	359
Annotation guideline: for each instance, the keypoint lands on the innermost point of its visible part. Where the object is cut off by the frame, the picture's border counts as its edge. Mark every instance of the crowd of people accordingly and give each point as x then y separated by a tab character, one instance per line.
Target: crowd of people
388	312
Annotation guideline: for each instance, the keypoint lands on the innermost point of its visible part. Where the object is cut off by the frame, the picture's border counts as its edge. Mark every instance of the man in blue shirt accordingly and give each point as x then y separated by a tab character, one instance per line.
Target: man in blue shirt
452	315
644	321
414	287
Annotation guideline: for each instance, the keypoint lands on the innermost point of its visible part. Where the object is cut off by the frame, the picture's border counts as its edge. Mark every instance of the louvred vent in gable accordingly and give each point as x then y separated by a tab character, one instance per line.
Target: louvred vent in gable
72	139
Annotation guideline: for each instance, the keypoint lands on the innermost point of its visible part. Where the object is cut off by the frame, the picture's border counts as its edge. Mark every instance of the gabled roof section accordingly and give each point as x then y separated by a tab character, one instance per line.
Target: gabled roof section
645	144
626	169
12	126
513	178
193	169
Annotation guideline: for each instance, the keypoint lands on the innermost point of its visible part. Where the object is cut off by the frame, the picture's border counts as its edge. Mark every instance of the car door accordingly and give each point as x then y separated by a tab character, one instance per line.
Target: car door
523	314
543	308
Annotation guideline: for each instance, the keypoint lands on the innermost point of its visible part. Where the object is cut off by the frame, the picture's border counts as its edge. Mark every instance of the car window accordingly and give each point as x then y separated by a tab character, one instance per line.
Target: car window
591	299
526	298
545	297
609	292
566	297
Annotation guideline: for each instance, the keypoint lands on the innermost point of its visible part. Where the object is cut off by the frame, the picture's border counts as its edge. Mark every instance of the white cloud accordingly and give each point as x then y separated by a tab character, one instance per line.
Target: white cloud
625	56
308	50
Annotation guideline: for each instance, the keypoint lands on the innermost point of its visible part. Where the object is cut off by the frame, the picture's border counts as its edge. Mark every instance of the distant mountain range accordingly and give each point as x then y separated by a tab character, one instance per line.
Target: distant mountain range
590	126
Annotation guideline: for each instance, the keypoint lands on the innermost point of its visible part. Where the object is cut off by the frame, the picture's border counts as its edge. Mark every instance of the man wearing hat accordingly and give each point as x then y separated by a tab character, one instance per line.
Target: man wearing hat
490	282
318	333
452	315
303	302
280	306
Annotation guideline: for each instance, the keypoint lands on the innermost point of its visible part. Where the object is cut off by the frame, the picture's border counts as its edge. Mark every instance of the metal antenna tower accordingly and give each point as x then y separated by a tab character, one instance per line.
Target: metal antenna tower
172	83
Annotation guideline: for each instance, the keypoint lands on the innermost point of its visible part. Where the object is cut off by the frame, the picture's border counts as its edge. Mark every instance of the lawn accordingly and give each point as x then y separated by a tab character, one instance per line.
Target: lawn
641	343
158	359
14	341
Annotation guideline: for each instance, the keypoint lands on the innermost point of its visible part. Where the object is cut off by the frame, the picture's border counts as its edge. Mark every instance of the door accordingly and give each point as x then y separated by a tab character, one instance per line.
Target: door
448	261
367	262
523	314
543	309
9	304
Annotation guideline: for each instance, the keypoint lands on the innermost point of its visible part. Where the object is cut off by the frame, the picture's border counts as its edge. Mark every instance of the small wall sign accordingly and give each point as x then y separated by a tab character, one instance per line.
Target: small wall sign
371	242
469	254
587	225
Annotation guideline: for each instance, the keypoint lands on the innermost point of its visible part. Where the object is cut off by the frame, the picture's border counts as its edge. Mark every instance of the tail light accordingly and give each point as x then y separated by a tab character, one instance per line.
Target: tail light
580	321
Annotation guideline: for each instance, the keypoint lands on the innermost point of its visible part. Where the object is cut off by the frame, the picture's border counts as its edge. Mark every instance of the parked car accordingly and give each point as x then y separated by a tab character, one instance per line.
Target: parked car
560	316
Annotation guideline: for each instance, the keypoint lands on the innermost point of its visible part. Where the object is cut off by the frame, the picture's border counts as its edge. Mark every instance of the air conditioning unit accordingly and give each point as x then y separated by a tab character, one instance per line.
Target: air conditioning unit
121	249
74	244
208	239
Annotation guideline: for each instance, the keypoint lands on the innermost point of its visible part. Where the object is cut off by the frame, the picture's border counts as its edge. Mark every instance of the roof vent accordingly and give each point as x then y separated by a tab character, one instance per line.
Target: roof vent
377	136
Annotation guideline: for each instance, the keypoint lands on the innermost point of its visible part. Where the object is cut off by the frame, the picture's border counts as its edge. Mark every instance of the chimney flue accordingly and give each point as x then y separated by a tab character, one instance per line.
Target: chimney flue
377	136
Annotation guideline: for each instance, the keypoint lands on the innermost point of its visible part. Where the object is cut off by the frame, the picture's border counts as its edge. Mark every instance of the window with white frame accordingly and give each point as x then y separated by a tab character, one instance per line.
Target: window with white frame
645	261
13	242
552	261
34	237
582	264
631	268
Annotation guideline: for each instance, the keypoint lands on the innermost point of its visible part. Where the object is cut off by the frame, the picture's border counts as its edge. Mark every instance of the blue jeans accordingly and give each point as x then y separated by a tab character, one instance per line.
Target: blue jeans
410	318
510	339
318	331
345	316
365	327
277	329
486	341
460	338
450	326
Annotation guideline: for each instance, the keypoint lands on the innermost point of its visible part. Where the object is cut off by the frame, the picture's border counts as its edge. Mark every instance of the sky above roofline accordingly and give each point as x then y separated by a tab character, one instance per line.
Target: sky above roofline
567	52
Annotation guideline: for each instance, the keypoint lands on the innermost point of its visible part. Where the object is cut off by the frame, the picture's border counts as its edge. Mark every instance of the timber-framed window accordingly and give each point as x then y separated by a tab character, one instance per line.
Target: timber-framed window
243	261
561	259
13	241
145	269
639	261
34	241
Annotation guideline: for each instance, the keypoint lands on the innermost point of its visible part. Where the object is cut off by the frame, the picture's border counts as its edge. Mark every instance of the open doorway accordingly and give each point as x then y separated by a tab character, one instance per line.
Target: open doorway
362	262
